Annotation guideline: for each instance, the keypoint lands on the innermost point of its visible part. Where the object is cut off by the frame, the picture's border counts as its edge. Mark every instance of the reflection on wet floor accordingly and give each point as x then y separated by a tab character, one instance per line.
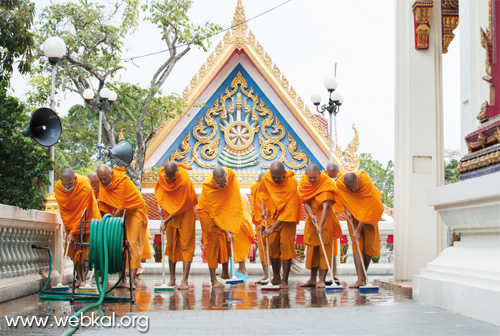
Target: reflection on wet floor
199	296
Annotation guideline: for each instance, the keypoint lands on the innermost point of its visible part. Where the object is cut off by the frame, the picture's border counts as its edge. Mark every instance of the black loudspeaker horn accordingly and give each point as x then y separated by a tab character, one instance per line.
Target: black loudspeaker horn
45	127
122	153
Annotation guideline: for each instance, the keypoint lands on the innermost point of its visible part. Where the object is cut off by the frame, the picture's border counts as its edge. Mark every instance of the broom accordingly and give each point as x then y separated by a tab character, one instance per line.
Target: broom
332	287
269	286
234	279
163	287
367	288
60	287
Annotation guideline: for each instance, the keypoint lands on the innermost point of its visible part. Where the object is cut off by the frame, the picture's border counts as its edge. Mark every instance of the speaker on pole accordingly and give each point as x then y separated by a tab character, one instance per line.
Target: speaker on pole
45	127
122	153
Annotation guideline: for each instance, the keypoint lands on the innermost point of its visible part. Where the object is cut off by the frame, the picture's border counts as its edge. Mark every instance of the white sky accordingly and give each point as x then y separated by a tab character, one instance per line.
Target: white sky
305	38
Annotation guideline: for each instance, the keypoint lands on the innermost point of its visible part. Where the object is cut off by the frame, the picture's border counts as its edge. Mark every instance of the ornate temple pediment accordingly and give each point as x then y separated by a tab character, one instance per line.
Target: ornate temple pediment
243	113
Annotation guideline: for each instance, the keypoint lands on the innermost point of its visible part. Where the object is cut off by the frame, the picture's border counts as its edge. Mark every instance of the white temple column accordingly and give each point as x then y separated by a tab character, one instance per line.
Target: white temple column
419	233
474	90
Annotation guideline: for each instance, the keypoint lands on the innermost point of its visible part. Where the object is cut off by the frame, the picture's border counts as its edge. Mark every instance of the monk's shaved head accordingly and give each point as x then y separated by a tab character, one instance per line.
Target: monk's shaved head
332	170
170	168
312	168
94	181
277	167
105	174
312	173
351	181
220	177
67	173
261	175
219	172
277	171
68	179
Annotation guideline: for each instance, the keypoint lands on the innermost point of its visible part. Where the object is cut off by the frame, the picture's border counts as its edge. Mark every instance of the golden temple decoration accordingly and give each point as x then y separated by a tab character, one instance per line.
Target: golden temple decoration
300	156
449	21
350	157
422	14
479	162
242	34
185	146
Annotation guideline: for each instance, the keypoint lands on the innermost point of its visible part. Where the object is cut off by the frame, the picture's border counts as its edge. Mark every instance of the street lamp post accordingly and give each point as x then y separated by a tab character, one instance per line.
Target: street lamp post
335	99
54	49
106	98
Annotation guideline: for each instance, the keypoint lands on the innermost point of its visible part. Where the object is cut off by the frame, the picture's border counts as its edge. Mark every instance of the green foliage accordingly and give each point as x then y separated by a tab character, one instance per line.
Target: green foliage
383	178
24	164
94	33
77	148
451	174
16	39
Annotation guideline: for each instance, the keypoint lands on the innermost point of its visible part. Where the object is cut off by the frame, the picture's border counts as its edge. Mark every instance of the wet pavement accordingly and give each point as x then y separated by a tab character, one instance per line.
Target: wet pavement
191	311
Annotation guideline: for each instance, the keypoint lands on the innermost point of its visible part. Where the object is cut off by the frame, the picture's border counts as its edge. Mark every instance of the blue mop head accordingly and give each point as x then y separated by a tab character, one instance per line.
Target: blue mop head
234	280
368	289
59	288
334	288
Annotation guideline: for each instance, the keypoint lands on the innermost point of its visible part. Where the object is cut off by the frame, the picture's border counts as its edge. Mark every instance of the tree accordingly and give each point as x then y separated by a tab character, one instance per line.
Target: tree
451	174
24	164
94	46
16	40
383	178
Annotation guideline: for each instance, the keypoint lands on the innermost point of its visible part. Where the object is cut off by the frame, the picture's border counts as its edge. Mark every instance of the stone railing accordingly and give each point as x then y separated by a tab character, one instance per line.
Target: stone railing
23	269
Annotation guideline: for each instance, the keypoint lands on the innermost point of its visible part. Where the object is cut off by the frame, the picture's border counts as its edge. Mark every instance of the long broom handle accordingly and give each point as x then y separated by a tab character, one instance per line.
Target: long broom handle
232	259
64	260
267	249
163	257
359	251
324	252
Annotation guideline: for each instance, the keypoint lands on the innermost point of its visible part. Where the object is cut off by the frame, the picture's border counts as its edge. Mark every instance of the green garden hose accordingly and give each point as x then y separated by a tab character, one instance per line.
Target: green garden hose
106	255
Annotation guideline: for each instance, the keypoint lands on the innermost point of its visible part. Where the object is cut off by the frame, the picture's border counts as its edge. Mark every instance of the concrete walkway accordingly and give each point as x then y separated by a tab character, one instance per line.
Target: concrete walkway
405	318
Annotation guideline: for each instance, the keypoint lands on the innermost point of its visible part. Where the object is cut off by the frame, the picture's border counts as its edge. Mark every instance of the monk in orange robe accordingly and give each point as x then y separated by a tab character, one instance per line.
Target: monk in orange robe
73	195
176	198
244	239
220	211
282	208
333	171
103	207
258	220
317	192
363	205
118	191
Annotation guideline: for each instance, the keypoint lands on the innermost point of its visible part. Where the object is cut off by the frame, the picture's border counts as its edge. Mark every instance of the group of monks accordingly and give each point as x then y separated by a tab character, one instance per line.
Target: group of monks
226	217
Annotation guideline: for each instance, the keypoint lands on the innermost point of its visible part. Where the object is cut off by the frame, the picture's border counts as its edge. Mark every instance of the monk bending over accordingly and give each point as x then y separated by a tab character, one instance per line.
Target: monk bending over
118	191
220	211
282	208
333	171
73	195
258	220
317	192
176	198
364	209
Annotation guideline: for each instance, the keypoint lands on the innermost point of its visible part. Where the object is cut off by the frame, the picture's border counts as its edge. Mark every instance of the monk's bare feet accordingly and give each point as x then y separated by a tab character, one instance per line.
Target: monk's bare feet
183	286
357	284
308	283
284	285
225	276
140	270
217	284
276	281
171	283
320	284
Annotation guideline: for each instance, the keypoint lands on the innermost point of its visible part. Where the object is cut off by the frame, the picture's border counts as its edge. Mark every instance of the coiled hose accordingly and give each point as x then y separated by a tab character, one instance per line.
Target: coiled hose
106	255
